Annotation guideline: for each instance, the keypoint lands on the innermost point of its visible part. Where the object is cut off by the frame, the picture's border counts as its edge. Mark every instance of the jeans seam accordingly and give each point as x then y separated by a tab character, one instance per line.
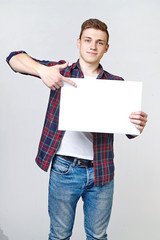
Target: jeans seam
87	177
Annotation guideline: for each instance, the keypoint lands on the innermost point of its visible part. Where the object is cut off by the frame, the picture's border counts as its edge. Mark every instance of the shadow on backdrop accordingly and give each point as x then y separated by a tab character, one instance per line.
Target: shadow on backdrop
2	236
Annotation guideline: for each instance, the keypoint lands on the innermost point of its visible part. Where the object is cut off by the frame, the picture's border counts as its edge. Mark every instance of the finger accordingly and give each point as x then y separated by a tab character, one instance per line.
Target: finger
139	116
53	88
60	83
56	84
69	81
144	114
62	66
140	128
138	122
138	119
140	113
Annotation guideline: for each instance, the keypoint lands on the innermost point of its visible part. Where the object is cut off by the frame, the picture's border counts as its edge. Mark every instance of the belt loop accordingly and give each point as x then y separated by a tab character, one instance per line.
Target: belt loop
74	162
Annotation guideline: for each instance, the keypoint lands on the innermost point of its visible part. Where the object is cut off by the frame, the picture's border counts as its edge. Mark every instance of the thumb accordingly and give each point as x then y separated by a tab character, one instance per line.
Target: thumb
64	65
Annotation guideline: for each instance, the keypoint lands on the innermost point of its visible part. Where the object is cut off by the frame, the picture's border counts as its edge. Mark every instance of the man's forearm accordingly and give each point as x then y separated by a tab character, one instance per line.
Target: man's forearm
23	63
49	72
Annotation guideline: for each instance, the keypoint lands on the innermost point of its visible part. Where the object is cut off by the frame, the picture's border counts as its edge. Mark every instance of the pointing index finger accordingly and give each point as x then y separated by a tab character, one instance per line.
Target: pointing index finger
69	81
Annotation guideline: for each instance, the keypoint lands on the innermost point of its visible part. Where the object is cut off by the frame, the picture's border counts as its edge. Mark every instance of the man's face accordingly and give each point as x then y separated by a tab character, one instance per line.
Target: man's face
92	45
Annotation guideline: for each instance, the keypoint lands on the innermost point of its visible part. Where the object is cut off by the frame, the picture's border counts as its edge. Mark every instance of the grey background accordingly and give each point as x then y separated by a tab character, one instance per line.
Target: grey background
48	29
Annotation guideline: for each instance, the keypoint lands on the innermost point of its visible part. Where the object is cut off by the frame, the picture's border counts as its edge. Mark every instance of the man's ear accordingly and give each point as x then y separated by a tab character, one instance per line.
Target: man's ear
78	42
107	47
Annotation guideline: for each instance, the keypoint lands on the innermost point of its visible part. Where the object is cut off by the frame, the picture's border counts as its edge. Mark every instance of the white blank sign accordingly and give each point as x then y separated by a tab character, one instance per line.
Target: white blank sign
99	106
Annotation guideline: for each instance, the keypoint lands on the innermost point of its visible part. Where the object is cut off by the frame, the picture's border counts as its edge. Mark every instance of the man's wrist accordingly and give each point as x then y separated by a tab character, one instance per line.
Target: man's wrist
39	69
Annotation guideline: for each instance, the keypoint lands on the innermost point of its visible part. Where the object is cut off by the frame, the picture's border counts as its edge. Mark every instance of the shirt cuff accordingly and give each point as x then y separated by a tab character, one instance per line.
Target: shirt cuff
13	54
130	136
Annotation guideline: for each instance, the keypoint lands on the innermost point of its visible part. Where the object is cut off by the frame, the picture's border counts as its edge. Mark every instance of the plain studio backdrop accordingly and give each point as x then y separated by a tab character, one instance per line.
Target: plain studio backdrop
48	29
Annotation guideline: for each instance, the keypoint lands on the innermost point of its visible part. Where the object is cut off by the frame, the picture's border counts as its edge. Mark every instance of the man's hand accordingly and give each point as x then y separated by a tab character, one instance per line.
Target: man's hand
51	76
139	119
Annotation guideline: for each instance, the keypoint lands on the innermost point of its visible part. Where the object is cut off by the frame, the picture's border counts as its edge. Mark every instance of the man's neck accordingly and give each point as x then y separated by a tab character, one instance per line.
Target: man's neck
88	69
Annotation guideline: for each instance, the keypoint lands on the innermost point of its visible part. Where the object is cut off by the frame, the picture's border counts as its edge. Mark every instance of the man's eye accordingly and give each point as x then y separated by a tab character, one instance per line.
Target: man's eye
87	40
100	43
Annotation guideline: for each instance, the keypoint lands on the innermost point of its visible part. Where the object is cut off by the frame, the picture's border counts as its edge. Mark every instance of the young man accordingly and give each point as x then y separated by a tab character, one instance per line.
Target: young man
82	163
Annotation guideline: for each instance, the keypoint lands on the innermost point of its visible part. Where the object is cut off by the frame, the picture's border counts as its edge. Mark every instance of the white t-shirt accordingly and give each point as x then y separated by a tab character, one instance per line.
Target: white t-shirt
77	144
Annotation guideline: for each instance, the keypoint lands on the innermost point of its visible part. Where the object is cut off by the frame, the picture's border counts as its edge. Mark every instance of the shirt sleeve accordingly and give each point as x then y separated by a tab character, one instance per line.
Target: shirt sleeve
43	62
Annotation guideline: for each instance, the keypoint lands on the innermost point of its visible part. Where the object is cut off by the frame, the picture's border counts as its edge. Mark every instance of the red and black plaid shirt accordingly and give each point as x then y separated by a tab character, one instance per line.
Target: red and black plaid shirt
51	137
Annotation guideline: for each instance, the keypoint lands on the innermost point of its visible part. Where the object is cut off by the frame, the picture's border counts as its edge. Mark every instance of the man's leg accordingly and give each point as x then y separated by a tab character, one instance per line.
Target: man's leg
65	188
97	209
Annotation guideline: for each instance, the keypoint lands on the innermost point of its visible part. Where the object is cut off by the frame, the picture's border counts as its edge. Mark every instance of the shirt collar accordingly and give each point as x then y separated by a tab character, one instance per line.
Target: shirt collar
76	65
100	75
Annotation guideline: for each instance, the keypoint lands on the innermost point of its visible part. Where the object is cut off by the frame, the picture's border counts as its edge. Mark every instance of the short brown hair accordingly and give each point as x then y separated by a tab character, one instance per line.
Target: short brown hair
96	24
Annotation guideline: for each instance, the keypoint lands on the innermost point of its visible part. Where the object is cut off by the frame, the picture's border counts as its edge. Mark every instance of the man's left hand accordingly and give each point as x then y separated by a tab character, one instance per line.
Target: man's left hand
139	119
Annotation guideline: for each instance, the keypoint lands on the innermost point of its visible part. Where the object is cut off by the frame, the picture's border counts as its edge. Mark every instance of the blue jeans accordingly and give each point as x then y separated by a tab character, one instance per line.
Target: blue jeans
67	184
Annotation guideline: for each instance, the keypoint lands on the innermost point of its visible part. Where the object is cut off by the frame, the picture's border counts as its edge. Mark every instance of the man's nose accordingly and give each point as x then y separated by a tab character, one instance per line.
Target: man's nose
93	45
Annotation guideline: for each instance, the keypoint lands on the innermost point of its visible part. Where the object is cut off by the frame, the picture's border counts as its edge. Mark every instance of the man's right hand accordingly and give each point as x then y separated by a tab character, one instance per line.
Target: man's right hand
51	76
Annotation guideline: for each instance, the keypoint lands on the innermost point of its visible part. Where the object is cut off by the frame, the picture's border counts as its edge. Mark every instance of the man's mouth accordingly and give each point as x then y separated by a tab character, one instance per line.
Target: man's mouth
92	53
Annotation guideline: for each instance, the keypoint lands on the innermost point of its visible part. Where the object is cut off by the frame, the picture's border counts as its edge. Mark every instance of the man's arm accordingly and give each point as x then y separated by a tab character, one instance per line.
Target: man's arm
51	76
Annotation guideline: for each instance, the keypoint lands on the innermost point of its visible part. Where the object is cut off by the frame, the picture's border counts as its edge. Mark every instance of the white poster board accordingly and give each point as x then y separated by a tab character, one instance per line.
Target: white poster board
99	106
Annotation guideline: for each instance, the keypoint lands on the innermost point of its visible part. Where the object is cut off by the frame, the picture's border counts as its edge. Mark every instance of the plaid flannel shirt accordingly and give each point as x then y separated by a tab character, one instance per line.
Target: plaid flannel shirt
51	137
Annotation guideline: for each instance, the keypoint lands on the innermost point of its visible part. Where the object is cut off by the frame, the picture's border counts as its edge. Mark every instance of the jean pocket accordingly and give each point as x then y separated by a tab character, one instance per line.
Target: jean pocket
61	166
